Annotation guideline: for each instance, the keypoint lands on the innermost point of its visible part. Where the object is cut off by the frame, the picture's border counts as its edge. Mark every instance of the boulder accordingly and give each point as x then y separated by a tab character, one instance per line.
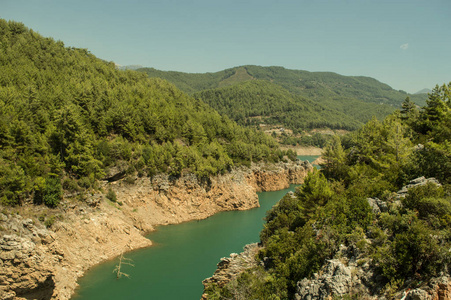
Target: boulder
417	294
377	205
336	280
417	182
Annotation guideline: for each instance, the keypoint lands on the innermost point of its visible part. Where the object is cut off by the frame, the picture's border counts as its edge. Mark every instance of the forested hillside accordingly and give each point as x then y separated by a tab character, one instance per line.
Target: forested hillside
352	213
68	119
258	101
353	100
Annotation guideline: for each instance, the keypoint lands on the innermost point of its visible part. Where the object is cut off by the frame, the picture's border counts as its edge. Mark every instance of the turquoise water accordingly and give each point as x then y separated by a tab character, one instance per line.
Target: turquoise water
182	256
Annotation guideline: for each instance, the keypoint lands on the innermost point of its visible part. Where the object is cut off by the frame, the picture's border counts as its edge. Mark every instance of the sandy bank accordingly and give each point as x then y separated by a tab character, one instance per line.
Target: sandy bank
302	150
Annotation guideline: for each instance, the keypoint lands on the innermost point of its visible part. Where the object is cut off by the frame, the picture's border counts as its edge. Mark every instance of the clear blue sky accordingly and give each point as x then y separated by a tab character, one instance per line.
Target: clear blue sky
406	44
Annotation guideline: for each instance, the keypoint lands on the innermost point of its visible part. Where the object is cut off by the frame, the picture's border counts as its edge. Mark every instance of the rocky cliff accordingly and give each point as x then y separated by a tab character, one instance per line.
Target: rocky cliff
229	268
44	263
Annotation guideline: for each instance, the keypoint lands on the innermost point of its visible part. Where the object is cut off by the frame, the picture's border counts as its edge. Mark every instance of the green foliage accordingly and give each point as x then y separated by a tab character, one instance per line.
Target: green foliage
296	99
409	111
49	221
52	192
432	156
66	114
436	116
316	140
302	231
13	183
111	195
254	102
410	241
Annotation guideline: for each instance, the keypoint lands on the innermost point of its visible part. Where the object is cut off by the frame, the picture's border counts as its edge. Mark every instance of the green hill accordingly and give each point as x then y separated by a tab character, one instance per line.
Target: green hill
68	119
258	101
356	99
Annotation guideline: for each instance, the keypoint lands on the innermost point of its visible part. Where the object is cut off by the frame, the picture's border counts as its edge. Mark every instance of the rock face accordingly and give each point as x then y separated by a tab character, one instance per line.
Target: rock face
37	263
278	176
40	263
230	267
377	205
168	200
441	289
335	280
26	260
437	289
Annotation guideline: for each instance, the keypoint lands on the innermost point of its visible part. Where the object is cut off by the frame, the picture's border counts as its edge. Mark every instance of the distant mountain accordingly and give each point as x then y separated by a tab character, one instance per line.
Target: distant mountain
129	67
424	91
356	97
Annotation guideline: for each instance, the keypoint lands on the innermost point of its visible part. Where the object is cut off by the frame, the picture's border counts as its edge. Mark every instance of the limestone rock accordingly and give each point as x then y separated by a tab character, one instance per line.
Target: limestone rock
418	294
417	182
230	267
26	269
441	288
377	205
336	280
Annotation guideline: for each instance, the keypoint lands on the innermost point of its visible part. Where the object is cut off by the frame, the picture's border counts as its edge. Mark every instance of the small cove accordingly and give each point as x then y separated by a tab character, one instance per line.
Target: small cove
182	256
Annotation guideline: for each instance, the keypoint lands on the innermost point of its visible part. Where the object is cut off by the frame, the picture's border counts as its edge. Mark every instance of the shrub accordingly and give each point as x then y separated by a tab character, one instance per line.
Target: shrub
52	192
111	195
71	185
49	221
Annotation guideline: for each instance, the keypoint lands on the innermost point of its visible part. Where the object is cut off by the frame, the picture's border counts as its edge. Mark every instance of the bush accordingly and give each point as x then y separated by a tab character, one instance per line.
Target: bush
52	192
71	185
111	195
13	183
49	221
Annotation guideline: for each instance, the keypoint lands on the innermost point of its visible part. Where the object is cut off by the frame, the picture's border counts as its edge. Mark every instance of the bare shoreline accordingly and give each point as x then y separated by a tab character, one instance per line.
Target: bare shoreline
304	150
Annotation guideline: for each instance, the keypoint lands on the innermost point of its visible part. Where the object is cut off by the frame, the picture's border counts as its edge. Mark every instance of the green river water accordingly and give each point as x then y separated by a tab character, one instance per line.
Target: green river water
181	257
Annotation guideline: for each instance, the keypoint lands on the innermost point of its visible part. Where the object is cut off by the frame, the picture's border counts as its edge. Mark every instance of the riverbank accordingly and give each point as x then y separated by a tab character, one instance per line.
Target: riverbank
87	235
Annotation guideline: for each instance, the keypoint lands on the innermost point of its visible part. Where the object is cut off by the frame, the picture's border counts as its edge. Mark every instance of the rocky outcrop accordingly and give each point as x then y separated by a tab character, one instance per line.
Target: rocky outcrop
344	276
169	200
377	205
229	268
437	289
416	182
26	267
441	288
278	176
319	161
38	263
336	279
41	263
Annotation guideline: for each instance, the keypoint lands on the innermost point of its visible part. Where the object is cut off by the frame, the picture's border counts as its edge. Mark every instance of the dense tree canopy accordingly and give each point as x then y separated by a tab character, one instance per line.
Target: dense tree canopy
323	99
257	101
68	119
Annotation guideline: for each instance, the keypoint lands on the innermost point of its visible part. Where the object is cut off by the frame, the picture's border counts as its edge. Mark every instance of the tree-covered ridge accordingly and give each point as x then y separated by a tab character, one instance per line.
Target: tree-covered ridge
259	101
68	118
190	82
404	245
358	97
332	86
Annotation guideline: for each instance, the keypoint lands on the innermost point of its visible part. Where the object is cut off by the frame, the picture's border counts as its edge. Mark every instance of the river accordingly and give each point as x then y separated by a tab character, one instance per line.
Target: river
182	256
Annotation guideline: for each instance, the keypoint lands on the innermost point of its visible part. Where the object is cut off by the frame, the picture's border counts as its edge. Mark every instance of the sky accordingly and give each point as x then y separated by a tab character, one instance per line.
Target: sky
404	43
